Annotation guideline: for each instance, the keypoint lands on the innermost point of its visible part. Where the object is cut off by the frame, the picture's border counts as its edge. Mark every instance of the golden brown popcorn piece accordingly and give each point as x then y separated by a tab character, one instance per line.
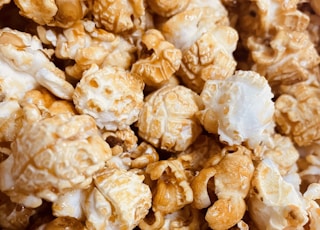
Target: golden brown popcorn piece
185	218
111	95
88	45
196	156
12	215
232	176
64	223
159	59
206	40
282	58
167	119
209	57
309	165
143	155
53	156
39	103
47	103
11	116
167	8
281	150
117	16
297	113
273	202
120	200
24	59
172	191
238	108
60	13
126	139
314	29
261	18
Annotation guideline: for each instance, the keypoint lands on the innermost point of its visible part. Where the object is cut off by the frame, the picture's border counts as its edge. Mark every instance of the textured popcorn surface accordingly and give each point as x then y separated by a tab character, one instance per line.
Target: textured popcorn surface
159	114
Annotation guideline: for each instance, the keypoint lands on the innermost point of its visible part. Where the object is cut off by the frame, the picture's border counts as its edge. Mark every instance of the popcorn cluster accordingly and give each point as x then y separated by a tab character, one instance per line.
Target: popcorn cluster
159	115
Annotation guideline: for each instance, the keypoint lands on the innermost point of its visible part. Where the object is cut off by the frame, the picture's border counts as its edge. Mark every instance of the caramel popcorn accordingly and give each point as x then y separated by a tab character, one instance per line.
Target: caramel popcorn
297	113
161	115
232	175
172	191
117	16
53	13
167	8
206	40
68	152
273	202
10	120
156	68
111	95
167	119
26	62
87	46
128	198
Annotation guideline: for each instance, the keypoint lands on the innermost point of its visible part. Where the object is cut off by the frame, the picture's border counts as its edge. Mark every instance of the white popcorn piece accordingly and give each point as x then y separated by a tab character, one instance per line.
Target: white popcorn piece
111	95
239	109
26	62
274	203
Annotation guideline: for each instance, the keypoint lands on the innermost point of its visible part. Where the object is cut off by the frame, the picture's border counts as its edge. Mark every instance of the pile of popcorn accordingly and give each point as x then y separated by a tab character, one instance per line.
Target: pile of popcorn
159	115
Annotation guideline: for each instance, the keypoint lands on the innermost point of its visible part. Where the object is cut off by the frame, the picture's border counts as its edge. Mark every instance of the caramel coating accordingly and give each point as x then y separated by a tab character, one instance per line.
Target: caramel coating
68	152
167	119
172	191
60	13
232	176
167	8
156	68
297	113
88	45
117	16
26	62
128	197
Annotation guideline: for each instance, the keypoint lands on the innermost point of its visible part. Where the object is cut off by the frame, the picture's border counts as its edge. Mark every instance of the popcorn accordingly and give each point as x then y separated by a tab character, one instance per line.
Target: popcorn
67	153
203	34
128	200
232	175
156	114
111	95
10	120
88	45
297	113
273	202
167	119
167	8
117	16
61	223
23	57
172	191
158	67
53	13
239	108
187	217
